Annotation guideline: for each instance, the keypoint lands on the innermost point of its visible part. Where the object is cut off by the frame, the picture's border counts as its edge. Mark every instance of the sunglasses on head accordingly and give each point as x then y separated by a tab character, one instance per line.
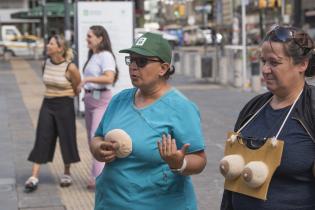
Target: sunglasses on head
285	34
140	61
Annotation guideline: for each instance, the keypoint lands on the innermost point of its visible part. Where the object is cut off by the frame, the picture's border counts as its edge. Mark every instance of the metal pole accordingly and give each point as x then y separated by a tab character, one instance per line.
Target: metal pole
283	9
205	24
78	103
75	28
219	22
297	13
67	28
45	30
244	53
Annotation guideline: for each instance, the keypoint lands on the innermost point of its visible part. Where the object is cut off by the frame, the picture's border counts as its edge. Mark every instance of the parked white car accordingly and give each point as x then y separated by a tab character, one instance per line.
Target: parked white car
16	44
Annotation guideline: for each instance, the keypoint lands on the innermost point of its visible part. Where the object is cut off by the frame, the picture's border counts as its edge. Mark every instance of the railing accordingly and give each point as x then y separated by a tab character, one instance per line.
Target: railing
198	62
224	66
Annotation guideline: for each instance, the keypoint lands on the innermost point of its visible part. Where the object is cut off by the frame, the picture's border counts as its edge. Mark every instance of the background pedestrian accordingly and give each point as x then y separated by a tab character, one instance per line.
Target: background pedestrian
57	115
100	73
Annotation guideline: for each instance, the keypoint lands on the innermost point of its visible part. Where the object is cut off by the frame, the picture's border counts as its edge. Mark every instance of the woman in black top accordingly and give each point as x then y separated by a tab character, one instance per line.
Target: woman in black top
286	55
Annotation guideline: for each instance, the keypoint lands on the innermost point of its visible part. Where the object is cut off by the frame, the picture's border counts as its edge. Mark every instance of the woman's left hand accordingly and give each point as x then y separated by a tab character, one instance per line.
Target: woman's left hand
169	153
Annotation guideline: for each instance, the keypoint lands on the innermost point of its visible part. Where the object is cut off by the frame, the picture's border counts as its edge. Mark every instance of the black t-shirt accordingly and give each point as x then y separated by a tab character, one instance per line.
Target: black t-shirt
292	186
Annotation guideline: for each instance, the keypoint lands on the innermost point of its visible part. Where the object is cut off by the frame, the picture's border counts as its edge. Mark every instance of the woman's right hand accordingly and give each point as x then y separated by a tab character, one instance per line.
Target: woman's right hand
103	151
80	86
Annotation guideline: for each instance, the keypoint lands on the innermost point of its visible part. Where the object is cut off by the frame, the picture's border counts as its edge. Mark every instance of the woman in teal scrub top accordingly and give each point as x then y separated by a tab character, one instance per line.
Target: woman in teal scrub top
167	140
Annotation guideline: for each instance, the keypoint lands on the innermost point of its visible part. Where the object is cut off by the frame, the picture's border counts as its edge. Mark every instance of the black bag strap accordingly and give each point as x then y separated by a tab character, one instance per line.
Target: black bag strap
43	67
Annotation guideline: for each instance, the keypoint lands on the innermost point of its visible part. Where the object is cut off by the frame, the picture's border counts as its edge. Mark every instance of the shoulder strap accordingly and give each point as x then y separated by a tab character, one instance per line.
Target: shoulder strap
87	61
43	67
68	66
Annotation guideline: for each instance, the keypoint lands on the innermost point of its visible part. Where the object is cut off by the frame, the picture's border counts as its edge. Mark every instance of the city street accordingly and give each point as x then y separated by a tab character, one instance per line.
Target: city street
20	98
218	48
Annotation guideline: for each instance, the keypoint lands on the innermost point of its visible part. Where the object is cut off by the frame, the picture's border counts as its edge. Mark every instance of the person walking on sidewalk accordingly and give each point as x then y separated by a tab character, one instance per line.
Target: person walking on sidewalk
100	73
57	115
165	130
285	112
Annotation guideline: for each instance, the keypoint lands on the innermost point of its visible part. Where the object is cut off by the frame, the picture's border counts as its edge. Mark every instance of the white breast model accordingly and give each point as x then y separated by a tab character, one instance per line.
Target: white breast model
255	173
124	142
231	166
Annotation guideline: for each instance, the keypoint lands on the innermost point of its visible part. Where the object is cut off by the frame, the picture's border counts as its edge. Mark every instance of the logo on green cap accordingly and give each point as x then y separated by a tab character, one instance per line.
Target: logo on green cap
141	41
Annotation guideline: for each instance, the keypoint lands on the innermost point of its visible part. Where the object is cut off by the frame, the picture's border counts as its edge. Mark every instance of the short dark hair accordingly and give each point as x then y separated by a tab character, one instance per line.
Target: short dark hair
170	71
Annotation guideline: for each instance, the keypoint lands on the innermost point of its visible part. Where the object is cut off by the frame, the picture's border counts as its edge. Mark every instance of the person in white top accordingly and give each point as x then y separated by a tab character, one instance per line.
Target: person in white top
100	74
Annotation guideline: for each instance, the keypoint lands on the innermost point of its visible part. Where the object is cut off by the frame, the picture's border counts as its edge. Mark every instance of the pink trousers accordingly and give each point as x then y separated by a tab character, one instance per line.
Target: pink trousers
94	111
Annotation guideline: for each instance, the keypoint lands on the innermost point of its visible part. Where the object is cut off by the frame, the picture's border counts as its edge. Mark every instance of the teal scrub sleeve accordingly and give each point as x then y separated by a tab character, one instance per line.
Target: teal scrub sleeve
187	127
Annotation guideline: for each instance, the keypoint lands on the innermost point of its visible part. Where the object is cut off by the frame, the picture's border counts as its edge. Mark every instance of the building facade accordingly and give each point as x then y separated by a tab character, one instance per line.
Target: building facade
219	14
7	8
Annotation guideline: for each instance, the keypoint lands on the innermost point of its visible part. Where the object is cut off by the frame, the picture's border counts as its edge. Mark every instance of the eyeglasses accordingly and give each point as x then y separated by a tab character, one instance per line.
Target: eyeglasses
285	34
140	61
251	142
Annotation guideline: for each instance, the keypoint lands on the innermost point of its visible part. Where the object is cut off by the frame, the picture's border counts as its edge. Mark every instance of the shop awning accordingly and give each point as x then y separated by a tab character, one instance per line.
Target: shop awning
52	9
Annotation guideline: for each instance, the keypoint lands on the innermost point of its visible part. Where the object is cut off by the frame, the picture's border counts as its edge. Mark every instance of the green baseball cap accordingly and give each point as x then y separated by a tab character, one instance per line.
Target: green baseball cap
151	44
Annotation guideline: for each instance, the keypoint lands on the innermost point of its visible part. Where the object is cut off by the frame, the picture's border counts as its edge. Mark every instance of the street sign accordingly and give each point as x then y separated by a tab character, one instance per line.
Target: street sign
204	8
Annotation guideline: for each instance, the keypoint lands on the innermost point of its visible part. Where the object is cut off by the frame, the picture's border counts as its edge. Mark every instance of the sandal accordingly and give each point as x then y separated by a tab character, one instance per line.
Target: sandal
31	184
65	180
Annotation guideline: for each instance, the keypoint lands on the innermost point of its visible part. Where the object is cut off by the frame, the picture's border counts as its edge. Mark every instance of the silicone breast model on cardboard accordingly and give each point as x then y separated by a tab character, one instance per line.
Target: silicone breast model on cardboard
124	142
231	166
255	173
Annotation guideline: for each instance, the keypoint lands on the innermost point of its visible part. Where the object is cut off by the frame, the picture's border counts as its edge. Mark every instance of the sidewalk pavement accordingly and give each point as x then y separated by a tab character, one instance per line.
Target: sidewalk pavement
21	93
